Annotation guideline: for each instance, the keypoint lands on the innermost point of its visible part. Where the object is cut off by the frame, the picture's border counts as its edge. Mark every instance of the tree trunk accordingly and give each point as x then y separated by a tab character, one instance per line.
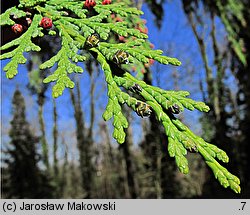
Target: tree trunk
83	144
129	160
55	146
45	150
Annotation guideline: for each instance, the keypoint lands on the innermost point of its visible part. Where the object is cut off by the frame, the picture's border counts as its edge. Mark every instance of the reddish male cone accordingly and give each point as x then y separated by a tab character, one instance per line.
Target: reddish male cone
46	23
118	19
89	4
151	61
121	38
105	2
151	45
17	28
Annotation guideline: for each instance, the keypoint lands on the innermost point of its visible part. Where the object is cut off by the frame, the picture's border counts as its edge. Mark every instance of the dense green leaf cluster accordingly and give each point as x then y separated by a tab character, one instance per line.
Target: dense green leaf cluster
76	26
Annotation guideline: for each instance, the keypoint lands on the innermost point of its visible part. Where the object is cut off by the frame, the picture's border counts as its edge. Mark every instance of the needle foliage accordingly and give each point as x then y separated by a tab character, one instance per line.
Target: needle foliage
107	33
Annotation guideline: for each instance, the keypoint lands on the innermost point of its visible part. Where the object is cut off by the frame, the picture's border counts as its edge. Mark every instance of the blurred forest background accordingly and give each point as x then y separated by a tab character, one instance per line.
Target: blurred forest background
62	148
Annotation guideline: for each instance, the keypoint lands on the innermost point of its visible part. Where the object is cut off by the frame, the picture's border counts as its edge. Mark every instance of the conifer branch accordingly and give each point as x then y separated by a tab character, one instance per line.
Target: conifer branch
91	28
24	44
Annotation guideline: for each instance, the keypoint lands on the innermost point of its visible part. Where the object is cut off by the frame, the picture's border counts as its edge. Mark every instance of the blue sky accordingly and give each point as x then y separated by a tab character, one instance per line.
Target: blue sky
175	38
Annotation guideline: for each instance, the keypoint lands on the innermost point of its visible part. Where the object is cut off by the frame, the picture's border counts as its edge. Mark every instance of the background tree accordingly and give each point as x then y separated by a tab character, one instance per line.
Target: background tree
37	88
84	143
231	55
220	96
25	179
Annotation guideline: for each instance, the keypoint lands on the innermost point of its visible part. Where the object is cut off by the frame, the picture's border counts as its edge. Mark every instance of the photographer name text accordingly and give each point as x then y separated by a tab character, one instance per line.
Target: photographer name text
70	206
